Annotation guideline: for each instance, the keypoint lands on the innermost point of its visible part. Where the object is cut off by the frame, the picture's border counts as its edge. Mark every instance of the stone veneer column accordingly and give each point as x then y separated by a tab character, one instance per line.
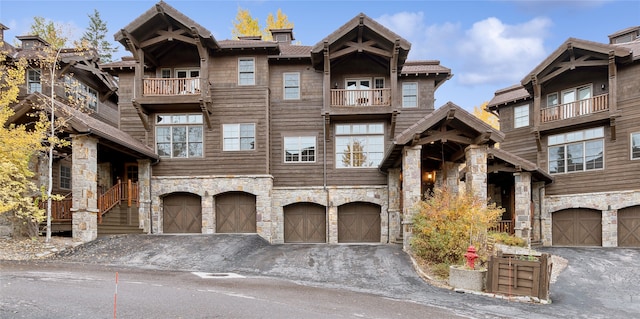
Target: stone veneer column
84	188
536	228
610	228
476	175
144	193
452	176
522	226
411	188
395	215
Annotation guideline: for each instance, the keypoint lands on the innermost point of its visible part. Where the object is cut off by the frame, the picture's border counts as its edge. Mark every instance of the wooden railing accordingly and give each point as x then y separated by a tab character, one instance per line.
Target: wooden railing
503	226
574	109
117	194
359	98
171	86
60	209
121	192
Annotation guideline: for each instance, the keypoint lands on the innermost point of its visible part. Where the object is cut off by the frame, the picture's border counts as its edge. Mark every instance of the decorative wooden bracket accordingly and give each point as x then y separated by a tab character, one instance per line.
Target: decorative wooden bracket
144	118
538	142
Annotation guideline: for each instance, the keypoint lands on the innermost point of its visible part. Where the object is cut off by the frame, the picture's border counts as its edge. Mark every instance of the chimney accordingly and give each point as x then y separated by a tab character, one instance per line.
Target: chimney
32	42
282	35
2	28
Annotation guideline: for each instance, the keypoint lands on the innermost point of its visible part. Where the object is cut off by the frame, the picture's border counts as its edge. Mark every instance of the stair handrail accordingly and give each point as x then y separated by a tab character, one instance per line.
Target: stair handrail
115	195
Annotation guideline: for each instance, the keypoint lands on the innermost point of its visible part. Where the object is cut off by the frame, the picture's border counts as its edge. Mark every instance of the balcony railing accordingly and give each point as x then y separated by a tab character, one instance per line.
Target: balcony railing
595	104
171	86
503	226
361	98
60	209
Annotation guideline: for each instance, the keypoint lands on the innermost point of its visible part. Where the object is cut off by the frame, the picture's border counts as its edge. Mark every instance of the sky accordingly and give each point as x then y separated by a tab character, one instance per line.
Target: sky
488	45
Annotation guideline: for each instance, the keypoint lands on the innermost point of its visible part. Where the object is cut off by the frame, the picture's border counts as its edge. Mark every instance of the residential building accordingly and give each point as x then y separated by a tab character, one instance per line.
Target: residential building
576	116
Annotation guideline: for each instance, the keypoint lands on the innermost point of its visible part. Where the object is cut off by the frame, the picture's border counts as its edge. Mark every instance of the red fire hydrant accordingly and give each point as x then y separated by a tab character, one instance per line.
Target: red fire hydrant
471	257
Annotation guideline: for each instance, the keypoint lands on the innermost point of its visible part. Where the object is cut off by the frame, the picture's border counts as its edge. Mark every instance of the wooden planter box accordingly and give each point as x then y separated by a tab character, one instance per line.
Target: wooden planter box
520	275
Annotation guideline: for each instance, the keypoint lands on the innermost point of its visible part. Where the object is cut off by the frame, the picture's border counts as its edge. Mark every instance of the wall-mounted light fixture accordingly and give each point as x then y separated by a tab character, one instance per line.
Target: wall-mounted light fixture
603	86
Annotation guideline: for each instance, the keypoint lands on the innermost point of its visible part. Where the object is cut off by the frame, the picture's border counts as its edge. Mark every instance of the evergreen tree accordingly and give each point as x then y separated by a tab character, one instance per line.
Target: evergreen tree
95	36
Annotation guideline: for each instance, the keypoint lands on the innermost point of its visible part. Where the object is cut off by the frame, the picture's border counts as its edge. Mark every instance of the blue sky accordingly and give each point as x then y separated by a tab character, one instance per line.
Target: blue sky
488	45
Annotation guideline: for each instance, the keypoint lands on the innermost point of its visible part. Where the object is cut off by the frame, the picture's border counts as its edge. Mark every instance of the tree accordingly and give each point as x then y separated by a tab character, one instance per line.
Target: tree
246	25
49	31
485	116
18	145
354	155
280	22
95	36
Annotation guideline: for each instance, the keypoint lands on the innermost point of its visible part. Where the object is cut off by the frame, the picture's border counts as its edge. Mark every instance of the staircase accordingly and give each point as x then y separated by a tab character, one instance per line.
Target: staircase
121	219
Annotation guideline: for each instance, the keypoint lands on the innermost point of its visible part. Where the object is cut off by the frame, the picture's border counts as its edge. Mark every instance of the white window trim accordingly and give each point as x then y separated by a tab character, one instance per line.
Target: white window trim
337	135
165	69
284	86
568	140
70	177
516	123
315	149
416	95
253	72
631	146
39	72
255	144
171	125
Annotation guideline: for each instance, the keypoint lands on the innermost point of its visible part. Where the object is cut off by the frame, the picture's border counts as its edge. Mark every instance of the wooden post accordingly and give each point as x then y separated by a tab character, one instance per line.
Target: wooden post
129	193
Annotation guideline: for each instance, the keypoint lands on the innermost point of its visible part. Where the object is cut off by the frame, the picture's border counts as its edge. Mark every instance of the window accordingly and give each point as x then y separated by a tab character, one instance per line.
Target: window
291	86
33	81
552	99
635	145
179	135
191	82
246	71
410	94
521	116
239	137
81	93
576	151
165	73
299	149
359	145
65	177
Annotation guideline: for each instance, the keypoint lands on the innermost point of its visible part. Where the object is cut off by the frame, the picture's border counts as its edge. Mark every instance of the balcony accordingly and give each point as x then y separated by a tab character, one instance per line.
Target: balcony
575	109
361	98
171	86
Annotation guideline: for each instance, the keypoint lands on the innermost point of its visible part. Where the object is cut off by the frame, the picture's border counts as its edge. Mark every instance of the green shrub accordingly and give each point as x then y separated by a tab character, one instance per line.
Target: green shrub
446	223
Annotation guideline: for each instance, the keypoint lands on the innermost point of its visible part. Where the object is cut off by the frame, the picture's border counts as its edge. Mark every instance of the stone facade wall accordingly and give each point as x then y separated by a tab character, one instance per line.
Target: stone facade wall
607	202
395	214
209	186
331	197
522	226
476	174
84	180
411	189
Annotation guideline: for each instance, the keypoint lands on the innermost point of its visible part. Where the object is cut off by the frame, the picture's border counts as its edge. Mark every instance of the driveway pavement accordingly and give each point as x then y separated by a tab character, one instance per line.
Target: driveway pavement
597	283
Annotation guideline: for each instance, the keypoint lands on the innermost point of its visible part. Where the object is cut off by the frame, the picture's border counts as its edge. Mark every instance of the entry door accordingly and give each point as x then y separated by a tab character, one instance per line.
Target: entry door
359	92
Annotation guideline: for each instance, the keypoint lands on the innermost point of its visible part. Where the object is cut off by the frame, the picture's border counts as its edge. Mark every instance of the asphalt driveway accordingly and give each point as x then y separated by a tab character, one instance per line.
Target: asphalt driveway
597	283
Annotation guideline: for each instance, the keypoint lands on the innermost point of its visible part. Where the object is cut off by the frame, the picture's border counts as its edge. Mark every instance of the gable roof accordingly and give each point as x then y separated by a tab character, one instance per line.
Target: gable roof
449	125
568	48
359	25
508	95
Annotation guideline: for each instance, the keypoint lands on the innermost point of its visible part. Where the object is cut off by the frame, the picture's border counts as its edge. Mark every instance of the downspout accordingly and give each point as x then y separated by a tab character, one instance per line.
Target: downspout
540	213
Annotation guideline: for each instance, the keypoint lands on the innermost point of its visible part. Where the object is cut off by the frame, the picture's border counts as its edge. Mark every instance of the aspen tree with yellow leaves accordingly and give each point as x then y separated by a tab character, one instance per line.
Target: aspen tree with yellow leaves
246	25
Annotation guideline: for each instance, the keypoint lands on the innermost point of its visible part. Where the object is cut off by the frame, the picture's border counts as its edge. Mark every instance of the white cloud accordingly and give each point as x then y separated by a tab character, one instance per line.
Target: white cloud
494	52
489	52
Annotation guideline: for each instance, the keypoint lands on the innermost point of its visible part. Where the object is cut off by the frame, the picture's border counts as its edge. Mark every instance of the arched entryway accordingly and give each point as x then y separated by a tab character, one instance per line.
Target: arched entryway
305	223
359	222
235	213
577	227
182	213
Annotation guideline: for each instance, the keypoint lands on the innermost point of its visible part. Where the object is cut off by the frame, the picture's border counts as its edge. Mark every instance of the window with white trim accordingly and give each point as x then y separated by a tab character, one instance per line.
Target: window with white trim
521	116
179	135
410	94
33	81
635	146
65	177
299	149
246	71
576	151
239	137
291	86
359	145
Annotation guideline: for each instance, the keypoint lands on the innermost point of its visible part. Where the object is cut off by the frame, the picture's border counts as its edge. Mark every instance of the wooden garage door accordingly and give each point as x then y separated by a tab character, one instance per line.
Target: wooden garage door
182	213
235	213
359	223
577	227
305	223
629	227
